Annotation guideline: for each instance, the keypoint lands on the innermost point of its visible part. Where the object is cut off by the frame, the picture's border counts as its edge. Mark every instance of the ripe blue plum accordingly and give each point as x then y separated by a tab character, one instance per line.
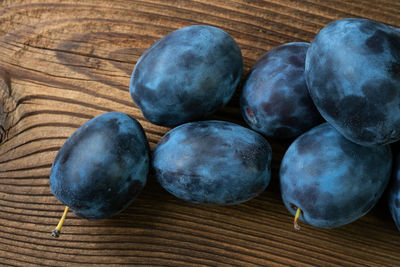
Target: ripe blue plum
353	75
275	99
213	162
187	75
102	167
394	192
332	180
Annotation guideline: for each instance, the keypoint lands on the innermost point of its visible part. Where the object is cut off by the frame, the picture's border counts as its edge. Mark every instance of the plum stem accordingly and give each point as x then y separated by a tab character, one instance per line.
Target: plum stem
296	219
56	232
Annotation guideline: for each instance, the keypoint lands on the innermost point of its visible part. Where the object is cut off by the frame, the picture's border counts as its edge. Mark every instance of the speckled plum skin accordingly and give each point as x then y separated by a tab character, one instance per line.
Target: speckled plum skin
187	75
332	180
394	192
102	167
213	162
353	75
275	99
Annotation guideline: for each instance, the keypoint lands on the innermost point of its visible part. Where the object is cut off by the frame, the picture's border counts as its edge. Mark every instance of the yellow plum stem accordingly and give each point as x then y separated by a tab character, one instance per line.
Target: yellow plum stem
56	232
296	219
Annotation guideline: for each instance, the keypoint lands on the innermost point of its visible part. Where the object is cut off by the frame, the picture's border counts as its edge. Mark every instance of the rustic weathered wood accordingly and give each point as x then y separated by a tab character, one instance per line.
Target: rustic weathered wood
64	62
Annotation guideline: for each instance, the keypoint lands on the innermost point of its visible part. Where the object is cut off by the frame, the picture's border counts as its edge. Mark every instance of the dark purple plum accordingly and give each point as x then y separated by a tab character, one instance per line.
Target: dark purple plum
102	167
213	162
332	180
394	192
275	99
187	75
353	75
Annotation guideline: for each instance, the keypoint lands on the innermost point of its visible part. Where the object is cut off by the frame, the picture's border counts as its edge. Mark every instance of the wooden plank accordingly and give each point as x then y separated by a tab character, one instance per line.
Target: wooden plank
64	62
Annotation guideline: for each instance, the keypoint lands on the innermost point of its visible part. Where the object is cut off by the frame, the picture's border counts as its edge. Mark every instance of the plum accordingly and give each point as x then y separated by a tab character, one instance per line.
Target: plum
332	180
187	75
394	191
353	74
102	167
213	162
275	99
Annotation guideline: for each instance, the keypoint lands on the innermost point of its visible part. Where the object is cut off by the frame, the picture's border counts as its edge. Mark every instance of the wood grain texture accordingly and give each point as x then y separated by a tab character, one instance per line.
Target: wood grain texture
64	62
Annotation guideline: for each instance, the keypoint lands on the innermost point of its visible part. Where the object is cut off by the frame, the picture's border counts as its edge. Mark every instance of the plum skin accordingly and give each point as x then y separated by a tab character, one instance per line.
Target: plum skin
213	162
353	75
102	166
275	99
332	180
187	75
394	192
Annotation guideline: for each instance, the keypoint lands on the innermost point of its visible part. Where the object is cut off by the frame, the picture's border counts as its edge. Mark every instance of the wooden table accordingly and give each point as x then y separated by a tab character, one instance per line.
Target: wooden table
64	62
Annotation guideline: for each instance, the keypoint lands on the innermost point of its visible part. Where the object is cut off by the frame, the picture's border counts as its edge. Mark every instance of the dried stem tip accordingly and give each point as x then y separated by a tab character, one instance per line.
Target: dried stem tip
56	232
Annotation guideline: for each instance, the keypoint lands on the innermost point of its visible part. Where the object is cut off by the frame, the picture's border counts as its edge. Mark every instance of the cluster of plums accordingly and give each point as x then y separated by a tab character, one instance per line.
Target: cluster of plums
333	173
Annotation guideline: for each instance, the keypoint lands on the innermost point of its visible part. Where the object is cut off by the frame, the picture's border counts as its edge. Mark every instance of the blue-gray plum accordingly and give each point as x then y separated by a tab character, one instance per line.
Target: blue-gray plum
213	162
394	192
353	74
275	99
332	180
102	166
187	75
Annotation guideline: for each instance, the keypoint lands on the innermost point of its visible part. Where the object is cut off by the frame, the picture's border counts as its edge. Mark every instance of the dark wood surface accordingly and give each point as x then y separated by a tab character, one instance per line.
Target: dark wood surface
64	62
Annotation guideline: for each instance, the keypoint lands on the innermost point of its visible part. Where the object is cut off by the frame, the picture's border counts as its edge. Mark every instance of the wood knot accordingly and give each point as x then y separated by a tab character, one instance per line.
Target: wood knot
5	93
